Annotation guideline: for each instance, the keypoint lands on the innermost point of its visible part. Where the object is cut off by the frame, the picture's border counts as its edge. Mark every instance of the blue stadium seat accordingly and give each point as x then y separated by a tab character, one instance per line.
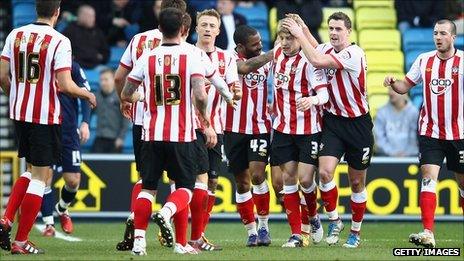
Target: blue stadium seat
115	56
411	56
418	39
23	13
256	15
93	77
459	42
416	95
265	39
127	146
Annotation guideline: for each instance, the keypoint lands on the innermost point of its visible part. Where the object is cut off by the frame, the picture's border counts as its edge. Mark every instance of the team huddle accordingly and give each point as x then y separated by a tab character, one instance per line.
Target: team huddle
189	103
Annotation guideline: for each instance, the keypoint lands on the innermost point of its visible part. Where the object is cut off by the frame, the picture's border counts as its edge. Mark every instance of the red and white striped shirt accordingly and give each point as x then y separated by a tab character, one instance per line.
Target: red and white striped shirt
347	86
251	115
294	78
166	72
442	112
226	66
140	44
36	52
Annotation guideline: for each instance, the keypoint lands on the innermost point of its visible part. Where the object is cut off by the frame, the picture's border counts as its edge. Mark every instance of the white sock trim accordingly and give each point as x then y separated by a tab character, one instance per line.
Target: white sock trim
360	197
202	186
428	185
27	175
260	189
36	187
139	233
168	210
47	190
48	220
173	187
356	226
302	201
139	182
310	189
240	198
290	189
146	195
461	192
326	186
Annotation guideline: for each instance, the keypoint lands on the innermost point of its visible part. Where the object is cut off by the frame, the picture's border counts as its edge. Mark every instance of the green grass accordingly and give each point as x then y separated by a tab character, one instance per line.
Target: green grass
378	240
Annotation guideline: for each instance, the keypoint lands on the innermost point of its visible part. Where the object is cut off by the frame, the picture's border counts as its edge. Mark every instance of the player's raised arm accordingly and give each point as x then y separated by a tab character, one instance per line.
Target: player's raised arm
399	86
316	58
252	64
305	28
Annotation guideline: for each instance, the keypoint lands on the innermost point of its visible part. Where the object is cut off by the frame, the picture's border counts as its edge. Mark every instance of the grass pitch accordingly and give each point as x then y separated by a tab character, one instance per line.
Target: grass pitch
378	240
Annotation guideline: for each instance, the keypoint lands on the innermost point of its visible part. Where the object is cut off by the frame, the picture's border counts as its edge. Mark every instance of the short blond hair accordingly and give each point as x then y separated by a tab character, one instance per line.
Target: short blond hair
281	29
209	12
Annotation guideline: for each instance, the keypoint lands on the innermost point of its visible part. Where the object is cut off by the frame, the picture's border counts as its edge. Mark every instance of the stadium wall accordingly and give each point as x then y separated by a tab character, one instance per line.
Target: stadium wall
393	186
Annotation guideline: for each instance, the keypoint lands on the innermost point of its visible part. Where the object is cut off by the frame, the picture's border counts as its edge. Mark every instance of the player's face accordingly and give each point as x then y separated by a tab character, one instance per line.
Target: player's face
338	33
290	46
443	38
207	28
253	46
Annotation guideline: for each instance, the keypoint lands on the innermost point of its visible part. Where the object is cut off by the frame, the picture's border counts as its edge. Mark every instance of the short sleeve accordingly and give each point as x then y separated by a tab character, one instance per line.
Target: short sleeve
126	59
6	52
231	71
136	75
63	55
414	74
318	79
208	66
197	65
349	59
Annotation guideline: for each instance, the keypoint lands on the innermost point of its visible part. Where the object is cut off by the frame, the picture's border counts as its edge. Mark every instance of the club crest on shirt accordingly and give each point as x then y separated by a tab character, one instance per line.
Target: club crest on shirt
330	73
455	69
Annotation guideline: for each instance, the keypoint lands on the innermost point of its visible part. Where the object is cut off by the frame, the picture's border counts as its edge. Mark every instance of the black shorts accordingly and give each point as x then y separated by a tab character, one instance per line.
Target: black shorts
350	136
39	144
137	143
71	153
241	149
209	160
174	157
299	148
433	151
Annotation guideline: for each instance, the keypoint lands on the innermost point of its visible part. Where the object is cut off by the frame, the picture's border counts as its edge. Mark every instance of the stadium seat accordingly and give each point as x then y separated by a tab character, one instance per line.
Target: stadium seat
256	14
93	77
127	146
324	34
376	101
375	82
387	39
459	42
23	13
273	23
373	3
416	95
411	56
327	11
418	39
115	56
385	61
375	18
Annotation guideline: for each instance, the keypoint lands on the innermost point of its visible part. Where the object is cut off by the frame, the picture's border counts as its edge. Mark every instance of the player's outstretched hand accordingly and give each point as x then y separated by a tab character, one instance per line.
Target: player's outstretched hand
211	137
126	109
237	91
84	132
304	103
92	100
389	80
293	27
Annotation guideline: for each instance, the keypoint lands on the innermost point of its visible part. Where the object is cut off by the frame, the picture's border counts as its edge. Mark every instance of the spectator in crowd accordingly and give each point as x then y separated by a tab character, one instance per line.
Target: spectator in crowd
229	21
111	125
453	11
150	13
413	13
395	127
89	45
117	18
309	11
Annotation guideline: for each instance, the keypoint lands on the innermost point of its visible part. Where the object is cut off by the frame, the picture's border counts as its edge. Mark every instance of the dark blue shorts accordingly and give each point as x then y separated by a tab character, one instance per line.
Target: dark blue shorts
71	153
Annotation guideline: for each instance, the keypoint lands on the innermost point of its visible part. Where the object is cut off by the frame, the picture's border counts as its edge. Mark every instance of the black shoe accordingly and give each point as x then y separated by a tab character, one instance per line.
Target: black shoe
128	242
165	229
5	230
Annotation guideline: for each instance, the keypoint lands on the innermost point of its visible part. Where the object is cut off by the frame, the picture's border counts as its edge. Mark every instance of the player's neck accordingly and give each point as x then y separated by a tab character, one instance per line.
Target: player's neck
206	46
341	47
175	40
48	21
446	55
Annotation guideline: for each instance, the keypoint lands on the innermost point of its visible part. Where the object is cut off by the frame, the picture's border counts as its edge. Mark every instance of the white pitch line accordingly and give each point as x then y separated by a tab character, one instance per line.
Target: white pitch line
59	234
